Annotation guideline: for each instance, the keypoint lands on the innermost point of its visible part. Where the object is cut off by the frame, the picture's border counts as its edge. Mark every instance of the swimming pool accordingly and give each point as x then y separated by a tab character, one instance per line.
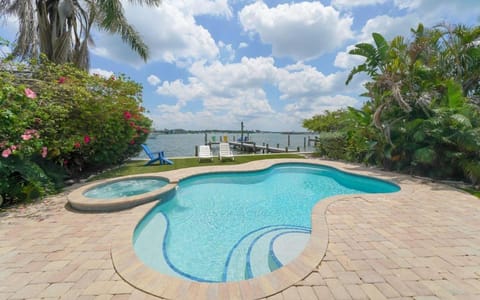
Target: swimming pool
221	227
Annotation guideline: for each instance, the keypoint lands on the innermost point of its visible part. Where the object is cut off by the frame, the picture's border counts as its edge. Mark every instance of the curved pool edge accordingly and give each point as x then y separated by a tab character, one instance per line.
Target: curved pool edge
79	201
136	273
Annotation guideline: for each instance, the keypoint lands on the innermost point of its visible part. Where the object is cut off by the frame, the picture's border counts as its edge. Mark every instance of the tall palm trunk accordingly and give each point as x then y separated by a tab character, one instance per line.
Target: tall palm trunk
61	29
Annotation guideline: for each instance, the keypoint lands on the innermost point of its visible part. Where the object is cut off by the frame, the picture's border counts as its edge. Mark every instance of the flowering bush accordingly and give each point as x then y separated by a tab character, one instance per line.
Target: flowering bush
62	117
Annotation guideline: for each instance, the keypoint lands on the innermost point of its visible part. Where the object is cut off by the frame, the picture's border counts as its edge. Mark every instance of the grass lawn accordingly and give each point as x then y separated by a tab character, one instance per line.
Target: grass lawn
138	166
473	192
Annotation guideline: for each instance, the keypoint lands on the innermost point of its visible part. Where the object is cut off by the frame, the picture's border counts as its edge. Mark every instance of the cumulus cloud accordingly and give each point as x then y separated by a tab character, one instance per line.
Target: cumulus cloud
307	108
302	30
242	45
344	60
433	12
171	34
238	90
227	53
389	27
355	3
153	80
204	7
101	72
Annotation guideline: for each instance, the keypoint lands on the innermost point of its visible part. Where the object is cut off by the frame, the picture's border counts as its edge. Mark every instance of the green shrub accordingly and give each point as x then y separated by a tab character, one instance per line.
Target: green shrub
57	120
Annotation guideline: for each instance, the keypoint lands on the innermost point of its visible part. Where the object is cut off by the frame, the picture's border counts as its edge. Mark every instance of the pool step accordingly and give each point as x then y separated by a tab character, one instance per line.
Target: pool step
252	255
260	257
286	247
149	246
237	260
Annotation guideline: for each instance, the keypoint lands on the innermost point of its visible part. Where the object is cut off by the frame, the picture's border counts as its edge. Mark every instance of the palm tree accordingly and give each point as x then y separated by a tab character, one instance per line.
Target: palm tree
61	29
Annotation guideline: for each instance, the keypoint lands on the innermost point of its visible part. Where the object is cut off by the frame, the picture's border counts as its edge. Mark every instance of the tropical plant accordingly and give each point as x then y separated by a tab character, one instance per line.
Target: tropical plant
423	113
62	29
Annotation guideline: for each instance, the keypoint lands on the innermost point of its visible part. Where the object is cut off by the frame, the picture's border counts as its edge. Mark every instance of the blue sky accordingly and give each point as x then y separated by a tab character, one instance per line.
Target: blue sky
270	64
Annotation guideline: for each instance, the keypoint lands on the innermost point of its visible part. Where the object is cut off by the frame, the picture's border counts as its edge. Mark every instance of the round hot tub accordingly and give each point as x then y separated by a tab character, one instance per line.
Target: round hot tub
119	193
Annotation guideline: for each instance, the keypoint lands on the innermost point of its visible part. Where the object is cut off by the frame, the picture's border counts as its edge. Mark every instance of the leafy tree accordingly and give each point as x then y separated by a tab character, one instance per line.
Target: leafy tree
61	29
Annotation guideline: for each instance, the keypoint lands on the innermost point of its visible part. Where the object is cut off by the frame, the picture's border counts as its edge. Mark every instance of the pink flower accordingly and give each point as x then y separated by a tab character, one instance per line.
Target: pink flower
61	80
13	147
29	133
6	153
132	142
44	152
132	124
86	139
76	145
127	115
30	94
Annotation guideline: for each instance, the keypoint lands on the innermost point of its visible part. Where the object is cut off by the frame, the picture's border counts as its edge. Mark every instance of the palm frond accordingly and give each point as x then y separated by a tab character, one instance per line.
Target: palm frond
355	70
114	21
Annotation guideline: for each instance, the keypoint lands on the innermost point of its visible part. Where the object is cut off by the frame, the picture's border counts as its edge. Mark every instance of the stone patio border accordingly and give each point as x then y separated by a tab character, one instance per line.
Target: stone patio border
140	276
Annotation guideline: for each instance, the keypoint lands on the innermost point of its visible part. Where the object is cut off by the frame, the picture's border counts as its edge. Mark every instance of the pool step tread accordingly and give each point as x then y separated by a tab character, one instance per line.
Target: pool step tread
239	266
258	256
238	260
287	247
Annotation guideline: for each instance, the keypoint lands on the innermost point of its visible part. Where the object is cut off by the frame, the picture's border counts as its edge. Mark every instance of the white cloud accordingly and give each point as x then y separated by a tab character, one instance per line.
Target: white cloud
302	30
302	82
227	53
307	108
204	7
389	27
237	90
433	12
183	92
242	45
344	60
171	34
355	3
153	80
101	72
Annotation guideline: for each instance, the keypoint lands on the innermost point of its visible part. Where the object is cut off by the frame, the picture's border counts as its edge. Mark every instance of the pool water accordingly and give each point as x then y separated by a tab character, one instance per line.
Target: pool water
221	227
126	188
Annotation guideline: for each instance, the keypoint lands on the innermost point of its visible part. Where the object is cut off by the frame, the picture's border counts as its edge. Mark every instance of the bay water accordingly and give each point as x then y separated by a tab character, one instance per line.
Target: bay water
183	144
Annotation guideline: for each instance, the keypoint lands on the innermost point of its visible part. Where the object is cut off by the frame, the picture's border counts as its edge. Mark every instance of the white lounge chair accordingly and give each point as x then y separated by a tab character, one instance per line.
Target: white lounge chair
204	152
225	152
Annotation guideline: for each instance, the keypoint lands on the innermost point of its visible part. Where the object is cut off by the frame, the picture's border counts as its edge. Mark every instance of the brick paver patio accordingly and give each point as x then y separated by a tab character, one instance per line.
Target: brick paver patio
424	245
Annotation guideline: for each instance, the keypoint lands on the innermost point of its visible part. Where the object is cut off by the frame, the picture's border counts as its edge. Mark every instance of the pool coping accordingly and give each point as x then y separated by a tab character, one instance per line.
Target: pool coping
129	267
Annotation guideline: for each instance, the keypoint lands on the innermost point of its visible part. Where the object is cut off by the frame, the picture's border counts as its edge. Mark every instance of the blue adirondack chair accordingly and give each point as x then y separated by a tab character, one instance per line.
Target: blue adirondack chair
156	156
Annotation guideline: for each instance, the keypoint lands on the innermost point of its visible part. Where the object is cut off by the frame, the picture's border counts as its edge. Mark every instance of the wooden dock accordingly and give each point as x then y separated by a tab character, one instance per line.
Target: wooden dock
253	147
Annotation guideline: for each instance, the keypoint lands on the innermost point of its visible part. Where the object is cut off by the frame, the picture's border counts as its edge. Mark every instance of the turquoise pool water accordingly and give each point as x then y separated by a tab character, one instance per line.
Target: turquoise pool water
221	227
126	188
